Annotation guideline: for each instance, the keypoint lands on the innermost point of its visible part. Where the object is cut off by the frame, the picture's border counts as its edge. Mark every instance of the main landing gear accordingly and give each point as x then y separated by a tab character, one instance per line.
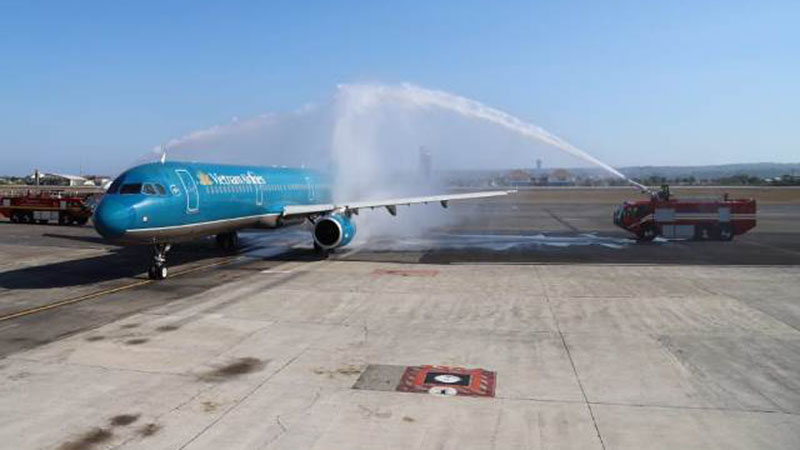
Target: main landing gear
322	252
158	271
228	241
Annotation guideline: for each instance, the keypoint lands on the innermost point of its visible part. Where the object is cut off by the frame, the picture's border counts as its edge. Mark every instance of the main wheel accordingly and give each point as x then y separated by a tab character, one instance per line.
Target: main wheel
228	241
321	252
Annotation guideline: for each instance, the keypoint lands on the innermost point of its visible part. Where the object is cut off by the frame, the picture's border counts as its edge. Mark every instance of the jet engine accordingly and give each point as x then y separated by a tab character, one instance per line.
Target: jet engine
334	230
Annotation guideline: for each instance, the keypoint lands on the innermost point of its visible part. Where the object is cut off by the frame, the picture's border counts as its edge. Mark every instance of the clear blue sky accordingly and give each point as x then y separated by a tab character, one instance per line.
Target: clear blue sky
96	84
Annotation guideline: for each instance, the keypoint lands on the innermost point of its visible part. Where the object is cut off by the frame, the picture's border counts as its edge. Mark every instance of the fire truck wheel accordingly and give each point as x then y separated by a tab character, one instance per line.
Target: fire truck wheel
82	221
703	233
725	232
646	234
64	219
14	218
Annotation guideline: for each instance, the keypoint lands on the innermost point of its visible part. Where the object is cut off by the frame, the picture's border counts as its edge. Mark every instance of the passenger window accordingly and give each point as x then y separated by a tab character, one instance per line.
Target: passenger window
148	189
161	190
133	188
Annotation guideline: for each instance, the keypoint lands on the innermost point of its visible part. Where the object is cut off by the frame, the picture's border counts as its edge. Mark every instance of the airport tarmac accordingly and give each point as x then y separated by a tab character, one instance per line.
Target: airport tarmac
592	341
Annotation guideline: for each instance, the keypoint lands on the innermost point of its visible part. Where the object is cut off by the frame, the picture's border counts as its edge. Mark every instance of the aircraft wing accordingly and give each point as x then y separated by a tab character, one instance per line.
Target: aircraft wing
390	204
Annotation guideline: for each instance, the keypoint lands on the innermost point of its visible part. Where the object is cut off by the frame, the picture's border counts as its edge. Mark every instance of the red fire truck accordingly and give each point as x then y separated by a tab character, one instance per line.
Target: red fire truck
46	207
698	219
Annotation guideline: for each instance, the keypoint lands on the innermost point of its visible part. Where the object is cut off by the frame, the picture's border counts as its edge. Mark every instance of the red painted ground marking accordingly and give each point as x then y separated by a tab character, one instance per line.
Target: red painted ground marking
470	382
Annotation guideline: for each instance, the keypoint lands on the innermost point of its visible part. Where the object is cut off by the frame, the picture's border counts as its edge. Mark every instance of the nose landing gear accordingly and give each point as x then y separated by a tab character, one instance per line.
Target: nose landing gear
158	271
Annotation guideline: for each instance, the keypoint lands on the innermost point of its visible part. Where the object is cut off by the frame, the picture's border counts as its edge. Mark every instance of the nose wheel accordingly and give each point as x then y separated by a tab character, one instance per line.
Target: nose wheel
158	271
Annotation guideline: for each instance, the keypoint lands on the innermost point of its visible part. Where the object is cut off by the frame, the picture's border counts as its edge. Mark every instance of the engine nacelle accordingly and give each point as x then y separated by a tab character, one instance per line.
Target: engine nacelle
334	230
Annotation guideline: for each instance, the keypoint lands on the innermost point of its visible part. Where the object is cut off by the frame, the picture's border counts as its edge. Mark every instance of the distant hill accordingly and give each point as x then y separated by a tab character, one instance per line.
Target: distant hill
760	170
727	174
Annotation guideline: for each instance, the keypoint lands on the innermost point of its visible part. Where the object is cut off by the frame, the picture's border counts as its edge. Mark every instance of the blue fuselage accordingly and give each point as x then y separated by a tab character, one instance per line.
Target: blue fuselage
173	201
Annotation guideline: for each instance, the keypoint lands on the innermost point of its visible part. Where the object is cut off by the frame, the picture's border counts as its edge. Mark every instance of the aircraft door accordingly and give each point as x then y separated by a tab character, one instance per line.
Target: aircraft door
192	194
310	187
259	194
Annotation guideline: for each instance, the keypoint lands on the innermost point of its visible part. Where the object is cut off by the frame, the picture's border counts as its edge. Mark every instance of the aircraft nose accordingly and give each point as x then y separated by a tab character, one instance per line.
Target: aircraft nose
111	218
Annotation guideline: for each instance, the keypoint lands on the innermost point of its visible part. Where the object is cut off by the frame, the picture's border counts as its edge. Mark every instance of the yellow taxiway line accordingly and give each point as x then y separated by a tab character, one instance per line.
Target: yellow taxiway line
81	298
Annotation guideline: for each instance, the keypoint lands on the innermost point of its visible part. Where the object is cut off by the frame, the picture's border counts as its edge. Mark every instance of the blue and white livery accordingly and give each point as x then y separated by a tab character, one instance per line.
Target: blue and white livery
163	203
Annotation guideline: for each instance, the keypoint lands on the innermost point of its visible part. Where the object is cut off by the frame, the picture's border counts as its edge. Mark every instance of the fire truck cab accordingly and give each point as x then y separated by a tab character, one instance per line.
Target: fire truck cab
698	219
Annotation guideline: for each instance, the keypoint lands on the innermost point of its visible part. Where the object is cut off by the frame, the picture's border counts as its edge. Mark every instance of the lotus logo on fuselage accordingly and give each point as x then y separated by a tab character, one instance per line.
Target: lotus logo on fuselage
204	179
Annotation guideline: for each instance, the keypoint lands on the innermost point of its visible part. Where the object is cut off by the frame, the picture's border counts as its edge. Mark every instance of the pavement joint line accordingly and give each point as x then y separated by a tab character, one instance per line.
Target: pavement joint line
698	408
95	366
243	399
572	363
101	293
654	406
698	284
562	221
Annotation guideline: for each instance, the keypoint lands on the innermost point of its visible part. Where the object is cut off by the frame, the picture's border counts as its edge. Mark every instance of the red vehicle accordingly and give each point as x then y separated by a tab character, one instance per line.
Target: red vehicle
697	219
45	207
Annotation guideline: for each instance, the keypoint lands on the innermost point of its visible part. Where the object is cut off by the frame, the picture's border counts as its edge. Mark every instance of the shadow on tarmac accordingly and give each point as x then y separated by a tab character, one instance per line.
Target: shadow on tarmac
126	262
133	261
89	239
129	262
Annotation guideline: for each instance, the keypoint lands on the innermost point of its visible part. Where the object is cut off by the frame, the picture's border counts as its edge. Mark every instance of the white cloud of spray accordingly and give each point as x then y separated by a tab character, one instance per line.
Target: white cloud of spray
369	136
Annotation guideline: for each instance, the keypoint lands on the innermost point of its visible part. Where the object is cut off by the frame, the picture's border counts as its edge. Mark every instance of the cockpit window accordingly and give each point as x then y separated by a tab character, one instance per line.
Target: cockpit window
161	190
114	186
148	189
132	188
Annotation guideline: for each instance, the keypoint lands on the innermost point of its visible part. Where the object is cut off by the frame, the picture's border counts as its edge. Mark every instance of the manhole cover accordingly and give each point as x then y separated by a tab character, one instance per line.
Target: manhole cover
445	380
434	380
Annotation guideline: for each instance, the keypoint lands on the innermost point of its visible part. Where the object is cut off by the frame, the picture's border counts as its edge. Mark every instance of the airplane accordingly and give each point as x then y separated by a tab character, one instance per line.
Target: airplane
162	203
